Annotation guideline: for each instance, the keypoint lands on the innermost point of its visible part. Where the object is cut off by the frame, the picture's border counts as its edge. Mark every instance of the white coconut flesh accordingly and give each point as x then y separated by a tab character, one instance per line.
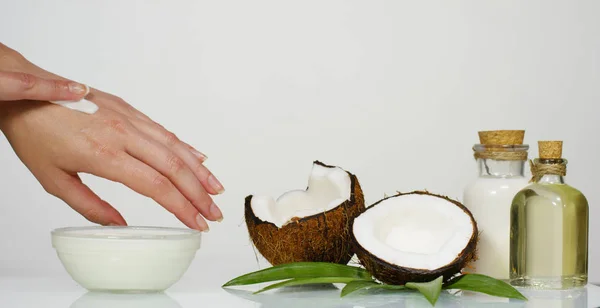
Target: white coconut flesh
415	231
328	187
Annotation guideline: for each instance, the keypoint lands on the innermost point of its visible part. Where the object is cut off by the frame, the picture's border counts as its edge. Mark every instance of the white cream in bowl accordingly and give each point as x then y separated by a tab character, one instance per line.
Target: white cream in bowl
126	259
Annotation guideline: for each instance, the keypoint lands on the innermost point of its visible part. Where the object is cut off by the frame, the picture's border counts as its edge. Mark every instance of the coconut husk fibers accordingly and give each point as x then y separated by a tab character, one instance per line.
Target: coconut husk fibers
324	237
398	275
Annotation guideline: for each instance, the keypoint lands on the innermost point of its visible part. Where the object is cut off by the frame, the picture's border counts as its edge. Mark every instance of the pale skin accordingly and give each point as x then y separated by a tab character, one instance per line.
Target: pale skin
118	143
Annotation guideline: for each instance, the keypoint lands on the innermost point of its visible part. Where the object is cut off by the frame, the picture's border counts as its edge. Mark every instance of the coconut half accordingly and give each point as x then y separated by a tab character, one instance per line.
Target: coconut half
415	237
307	225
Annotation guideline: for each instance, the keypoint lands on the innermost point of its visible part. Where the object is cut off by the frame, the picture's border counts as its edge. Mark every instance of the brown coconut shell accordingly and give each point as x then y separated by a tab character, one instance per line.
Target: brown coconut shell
324	237
398	275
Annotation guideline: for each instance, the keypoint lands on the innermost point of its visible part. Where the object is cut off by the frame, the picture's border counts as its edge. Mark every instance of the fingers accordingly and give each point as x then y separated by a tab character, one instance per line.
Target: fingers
22	86
192	157
78	196
148	182
166	161
201	156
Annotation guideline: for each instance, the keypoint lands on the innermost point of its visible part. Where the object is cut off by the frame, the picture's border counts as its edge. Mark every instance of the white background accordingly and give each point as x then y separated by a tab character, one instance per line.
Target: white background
393	91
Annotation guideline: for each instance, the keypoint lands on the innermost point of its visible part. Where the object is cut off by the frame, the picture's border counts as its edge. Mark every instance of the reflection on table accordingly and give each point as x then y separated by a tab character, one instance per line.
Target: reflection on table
328	296
116	300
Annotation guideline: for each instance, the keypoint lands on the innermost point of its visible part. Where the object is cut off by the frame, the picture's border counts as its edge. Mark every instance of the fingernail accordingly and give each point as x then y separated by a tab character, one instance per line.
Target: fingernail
216	212
78	88
201	223
215	184
200	155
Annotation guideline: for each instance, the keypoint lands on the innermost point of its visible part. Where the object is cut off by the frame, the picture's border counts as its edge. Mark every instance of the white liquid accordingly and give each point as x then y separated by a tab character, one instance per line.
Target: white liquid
126	259
489	200
82	105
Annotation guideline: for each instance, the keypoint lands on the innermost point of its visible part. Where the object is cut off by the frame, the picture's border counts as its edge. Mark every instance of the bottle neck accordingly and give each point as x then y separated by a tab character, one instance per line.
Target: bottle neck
501	168
551	171
551	179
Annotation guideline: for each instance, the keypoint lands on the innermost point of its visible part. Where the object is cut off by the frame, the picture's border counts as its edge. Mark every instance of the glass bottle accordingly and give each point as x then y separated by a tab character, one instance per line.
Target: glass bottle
549	227
501	157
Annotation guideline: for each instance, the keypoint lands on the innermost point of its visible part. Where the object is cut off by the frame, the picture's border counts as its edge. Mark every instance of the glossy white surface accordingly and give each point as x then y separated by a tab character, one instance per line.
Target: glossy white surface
193	292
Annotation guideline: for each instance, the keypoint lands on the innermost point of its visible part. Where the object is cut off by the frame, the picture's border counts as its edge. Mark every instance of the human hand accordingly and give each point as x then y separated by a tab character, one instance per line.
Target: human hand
16	86
117	142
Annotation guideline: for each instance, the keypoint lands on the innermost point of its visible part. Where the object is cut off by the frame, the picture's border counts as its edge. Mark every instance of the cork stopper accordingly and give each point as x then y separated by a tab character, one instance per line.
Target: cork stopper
502	137
550	149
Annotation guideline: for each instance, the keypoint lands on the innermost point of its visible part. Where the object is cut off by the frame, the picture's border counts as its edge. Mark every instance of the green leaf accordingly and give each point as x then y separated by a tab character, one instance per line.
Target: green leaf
353	286
357	285
431	290
305	281
484	284
300	270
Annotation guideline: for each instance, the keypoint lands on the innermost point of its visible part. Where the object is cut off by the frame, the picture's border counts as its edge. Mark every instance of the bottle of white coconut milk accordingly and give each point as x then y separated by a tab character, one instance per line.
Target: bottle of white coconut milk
501	157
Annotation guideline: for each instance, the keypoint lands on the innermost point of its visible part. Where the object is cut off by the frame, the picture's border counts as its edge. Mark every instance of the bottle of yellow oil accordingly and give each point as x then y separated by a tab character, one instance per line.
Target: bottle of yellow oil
549	227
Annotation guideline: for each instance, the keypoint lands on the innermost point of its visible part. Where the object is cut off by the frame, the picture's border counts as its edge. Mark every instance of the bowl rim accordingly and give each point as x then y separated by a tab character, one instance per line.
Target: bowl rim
178	233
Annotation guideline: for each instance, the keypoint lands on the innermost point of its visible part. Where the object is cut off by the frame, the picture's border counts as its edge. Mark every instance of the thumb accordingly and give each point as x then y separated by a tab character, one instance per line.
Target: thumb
20	86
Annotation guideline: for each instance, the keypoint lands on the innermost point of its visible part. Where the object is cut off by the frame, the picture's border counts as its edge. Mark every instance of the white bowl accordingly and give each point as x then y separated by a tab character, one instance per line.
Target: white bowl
126	259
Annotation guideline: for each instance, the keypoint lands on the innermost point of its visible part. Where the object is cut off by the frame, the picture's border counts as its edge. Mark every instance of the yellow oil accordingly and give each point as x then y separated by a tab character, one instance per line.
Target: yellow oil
549	237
